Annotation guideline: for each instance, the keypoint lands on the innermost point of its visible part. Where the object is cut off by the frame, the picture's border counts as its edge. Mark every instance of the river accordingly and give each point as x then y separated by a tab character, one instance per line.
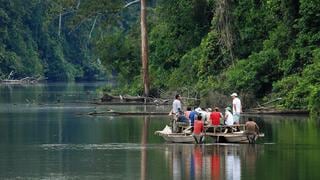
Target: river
45	134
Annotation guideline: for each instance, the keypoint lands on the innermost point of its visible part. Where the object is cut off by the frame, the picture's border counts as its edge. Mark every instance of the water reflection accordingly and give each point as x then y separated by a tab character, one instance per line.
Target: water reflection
215	164
232	163
214	161
251	153
43	139
144	137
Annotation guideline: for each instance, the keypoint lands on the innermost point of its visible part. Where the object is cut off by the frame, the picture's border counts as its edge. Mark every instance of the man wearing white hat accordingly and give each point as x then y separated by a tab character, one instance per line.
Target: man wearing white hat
236	108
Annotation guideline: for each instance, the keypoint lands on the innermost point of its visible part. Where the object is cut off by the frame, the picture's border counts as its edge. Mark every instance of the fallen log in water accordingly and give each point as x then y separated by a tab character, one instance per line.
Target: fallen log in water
129	100
111	98
129	103
138	113
276	111
117	113
25	80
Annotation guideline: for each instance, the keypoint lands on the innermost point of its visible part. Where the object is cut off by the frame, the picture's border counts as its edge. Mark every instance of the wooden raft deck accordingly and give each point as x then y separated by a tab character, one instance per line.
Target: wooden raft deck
218	134
218	129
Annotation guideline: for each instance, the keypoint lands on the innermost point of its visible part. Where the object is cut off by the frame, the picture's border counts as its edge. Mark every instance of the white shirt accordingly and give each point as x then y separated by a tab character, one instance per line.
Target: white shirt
229	120
202	113
176	105
236	106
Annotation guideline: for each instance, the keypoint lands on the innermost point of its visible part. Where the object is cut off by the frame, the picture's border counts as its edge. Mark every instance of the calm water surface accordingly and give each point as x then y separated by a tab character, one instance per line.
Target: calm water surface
44	134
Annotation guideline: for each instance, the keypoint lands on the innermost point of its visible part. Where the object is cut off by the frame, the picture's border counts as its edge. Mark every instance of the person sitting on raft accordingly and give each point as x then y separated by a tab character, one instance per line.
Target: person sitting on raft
228	119
182	118
215	117
192	116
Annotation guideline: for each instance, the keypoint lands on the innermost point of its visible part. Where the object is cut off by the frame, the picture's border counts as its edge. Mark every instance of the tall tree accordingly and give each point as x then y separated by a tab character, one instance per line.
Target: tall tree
144	49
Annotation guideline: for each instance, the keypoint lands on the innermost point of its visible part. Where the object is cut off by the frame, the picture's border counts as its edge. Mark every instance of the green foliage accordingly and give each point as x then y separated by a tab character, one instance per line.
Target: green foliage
9	62
201	65
251	22
274	45
120	55
185	75
175	33
255	74
301	91
30	44
181	25
314	100
214	58
310	16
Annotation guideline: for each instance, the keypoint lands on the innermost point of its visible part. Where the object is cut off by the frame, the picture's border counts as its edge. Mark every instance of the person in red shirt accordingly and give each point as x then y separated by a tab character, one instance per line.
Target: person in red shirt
215	117
198	129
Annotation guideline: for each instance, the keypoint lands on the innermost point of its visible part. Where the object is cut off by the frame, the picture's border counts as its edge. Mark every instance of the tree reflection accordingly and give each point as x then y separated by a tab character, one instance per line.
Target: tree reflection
143	167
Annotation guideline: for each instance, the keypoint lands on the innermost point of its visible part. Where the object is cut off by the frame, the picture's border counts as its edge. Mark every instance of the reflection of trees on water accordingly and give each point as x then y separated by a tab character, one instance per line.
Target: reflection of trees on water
143	164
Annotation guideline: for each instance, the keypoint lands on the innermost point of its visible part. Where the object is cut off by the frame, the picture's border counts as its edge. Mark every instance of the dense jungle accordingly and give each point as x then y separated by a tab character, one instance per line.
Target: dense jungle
262	49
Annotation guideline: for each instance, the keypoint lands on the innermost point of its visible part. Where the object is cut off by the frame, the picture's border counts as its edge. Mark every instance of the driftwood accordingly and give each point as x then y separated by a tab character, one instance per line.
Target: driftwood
272	109
134	98
138	113
130	103
110	98
126	99
26	80
117	113
265	110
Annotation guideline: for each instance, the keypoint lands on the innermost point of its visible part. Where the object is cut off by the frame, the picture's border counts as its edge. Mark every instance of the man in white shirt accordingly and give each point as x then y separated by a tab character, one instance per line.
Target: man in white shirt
236	108
176	105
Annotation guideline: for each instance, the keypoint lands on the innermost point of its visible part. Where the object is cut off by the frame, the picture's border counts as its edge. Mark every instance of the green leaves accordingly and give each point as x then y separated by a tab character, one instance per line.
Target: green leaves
301	91
30	45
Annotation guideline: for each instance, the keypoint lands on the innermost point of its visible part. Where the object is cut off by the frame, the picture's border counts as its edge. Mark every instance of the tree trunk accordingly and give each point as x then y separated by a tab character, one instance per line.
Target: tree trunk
60	20
144	49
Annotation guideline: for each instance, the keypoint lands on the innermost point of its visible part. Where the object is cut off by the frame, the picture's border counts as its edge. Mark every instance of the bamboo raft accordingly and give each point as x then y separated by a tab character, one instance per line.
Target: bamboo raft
215	132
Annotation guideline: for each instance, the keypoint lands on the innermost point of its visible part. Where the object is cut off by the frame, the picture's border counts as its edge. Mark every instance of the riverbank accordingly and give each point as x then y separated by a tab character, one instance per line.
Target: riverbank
279	112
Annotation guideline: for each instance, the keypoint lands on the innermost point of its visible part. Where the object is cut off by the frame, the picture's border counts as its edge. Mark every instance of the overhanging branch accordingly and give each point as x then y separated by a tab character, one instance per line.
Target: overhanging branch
130	3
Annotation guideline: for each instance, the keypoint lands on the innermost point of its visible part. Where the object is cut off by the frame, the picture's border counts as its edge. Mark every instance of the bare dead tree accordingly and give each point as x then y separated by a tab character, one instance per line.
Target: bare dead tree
144	49
93	25
130	3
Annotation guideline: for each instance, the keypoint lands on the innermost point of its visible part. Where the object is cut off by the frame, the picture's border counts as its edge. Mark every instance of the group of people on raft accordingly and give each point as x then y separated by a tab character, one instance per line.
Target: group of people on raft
198	117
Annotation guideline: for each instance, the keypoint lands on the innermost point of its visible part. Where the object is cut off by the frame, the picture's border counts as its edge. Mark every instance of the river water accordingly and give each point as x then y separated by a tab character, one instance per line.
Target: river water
45	134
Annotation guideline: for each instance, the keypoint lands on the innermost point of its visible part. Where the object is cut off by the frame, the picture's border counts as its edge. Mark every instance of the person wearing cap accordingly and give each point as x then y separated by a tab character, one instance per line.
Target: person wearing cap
228	119
236	108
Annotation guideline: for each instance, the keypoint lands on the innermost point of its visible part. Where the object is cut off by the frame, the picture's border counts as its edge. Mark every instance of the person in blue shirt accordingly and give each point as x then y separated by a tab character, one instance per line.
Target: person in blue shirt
192	116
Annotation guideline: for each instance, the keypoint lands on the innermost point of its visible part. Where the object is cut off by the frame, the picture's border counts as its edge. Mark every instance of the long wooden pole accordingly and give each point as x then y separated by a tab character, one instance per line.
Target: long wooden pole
144	49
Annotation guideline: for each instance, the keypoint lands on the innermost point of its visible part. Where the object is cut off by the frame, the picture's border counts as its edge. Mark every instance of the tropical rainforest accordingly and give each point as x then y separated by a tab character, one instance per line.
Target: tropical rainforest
265	49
